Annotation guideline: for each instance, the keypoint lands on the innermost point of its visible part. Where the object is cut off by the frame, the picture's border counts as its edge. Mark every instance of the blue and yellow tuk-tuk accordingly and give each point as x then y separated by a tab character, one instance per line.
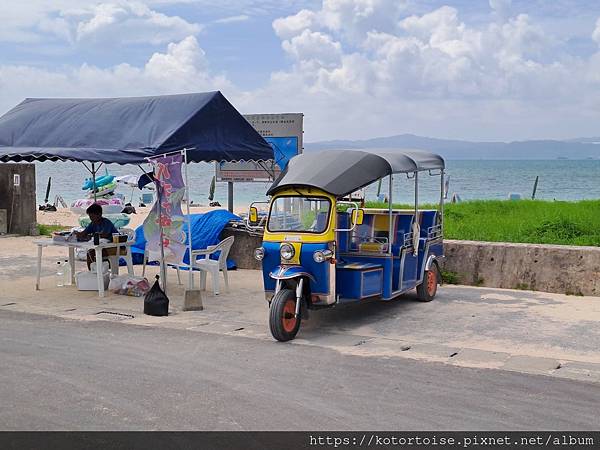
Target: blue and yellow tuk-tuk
320	248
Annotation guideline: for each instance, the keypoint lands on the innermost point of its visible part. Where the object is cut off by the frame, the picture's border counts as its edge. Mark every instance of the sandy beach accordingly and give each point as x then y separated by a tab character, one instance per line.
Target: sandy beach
68	219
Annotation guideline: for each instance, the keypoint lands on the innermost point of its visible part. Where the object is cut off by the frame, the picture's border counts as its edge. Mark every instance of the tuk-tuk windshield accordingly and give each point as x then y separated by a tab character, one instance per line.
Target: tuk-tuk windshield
300	214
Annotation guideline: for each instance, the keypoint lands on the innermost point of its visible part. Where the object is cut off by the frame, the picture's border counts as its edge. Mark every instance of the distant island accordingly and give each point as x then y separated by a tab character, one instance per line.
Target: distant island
580	148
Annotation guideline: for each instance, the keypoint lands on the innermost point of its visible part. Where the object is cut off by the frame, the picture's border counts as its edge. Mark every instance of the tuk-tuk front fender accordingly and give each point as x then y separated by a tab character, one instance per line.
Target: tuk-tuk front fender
289	272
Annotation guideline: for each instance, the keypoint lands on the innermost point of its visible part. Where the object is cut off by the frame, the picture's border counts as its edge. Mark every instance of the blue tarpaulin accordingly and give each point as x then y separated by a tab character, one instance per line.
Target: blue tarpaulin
130	129
206	229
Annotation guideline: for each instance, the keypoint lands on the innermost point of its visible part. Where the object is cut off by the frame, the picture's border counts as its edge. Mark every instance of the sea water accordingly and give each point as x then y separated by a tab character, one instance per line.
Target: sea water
470	179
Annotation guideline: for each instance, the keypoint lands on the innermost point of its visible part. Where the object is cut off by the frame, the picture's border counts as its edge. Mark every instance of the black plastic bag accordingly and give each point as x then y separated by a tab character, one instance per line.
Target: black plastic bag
156	302
128	209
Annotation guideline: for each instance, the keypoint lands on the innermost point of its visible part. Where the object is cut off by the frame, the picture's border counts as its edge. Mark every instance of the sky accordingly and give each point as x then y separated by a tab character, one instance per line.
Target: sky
462	69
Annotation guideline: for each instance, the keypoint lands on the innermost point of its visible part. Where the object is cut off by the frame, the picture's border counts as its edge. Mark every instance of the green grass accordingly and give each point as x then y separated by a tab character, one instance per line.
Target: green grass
450	277
47	230
528	221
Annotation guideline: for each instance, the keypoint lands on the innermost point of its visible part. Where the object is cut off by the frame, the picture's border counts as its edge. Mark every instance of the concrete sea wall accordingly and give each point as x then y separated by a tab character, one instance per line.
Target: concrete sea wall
550	268
562	269
242	251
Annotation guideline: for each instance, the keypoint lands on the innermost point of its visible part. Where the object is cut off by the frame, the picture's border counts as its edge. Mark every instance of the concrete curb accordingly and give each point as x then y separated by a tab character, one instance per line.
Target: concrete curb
349	344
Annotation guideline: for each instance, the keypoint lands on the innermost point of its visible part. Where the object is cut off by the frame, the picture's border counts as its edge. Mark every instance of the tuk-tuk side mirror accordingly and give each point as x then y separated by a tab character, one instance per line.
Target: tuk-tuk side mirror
358	215
253	214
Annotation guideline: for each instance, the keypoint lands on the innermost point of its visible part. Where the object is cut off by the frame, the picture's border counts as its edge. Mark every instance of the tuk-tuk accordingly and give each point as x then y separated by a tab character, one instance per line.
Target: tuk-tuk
320	248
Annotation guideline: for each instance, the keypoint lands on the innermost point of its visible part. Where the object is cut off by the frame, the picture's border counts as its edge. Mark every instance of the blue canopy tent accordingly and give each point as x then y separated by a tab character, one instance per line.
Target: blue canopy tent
129	130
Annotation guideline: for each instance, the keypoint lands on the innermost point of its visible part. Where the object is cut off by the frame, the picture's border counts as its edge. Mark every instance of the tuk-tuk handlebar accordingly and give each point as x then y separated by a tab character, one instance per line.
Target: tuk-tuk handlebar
353	223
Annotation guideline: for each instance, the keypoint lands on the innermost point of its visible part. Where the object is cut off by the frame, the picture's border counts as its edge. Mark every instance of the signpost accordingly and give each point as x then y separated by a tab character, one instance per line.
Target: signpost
284	133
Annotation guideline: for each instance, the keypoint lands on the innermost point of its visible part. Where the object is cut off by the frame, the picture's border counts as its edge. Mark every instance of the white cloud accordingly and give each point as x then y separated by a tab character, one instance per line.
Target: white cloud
356	68
429	71
596	32
288	27
355	18
181	63
314	46
122	21
233	19
130	23
501	8
182	68
349	18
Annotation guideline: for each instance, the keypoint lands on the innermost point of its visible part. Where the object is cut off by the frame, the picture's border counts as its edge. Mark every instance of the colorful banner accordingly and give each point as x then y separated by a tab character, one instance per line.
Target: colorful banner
166	211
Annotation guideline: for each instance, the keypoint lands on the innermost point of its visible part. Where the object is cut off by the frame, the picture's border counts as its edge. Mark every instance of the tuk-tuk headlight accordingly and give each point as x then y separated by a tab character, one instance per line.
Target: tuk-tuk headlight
287	251
259	253
322	255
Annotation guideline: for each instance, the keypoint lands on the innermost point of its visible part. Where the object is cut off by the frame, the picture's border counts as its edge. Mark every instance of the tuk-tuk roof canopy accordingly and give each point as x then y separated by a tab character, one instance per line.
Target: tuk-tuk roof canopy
341	172
130	129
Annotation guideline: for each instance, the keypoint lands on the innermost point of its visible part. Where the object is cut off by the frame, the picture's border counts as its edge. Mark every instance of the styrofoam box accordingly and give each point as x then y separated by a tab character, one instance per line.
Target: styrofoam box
88	281
105	267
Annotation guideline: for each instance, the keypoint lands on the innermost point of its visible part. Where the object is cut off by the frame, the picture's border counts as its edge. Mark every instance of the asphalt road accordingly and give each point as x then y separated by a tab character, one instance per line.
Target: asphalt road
68	375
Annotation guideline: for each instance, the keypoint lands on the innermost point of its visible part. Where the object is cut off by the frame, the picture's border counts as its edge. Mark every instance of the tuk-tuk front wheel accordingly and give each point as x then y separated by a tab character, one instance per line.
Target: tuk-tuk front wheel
282	321
428	288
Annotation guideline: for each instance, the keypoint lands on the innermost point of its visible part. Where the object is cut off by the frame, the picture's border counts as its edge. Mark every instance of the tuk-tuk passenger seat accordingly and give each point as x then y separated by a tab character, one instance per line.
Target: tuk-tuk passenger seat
321	222
381	234
428	220
361	233
404	222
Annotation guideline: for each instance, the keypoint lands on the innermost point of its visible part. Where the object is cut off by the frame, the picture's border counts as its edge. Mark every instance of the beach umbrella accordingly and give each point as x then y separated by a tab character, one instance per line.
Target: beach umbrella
146	179
129	180
211	190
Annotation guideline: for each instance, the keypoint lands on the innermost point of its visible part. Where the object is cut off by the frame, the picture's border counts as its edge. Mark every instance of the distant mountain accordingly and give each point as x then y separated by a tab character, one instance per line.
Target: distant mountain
581	148
585	140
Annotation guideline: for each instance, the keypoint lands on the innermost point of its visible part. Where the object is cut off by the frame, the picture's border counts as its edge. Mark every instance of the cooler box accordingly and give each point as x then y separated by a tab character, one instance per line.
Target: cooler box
88	281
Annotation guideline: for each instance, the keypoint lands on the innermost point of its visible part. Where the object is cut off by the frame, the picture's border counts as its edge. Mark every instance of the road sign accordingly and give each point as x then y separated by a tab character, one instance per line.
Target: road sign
283	132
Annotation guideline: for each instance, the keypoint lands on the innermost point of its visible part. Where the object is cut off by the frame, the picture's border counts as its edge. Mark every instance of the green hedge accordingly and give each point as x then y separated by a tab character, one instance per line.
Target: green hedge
530	221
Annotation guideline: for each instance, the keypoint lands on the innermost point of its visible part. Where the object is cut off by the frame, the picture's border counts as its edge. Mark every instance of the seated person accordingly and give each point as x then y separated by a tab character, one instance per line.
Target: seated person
98	224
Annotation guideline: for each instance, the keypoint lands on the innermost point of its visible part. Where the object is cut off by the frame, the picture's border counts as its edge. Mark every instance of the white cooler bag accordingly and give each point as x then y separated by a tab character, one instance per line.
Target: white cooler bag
88	281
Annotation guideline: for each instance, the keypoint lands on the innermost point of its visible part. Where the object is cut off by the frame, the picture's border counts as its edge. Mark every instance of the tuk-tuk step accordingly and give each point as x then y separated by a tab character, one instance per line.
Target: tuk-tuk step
359	280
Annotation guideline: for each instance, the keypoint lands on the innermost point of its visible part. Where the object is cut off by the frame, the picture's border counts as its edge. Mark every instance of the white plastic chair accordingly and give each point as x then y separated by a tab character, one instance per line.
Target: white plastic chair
114	260
212	266
145	262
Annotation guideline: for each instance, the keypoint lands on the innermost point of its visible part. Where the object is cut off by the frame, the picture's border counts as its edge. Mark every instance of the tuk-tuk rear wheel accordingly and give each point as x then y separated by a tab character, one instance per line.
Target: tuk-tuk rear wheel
282	322
428	288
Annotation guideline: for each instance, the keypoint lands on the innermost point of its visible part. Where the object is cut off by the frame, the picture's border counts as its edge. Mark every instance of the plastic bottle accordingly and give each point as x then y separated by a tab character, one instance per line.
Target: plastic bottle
68	276
60	276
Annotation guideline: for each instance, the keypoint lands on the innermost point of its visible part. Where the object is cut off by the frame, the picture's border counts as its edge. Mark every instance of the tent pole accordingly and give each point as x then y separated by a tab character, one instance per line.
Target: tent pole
417	197
442	203
163	269
391	206
94	182
189	221
230	196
